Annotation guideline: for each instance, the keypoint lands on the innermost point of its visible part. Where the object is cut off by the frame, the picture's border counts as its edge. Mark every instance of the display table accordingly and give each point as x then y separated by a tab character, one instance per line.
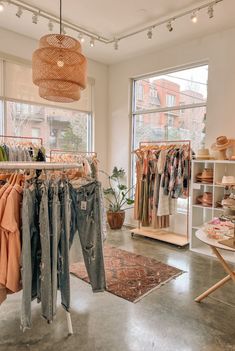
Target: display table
215	246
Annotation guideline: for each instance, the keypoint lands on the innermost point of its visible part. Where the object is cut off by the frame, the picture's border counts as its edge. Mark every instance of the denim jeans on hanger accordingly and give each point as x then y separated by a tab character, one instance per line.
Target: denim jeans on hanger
86	219
63	264
46	290
56	230
31	251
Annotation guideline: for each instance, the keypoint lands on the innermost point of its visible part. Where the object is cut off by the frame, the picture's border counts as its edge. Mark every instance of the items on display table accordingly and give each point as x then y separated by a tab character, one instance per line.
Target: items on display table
11	149
203	154
219	228
163	173
205	199
52	209
206	176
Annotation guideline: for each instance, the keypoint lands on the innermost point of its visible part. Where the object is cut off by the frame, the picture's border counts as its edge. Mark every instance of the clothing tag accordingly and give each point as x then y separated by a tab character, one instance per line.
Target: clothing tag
31	187
83	205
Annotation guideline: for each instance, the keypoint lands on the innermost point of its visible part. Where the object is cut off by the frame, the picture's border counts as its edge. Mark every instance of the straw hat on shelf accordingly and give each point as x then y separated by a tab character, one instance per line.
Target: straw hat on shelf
205	199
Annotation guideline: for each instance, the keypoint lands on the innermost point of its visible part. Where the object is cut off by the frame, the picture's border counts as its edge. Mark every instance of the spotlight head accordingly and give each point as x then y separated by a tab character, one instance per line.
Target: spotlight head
150	33
35	18
116	44
50	26
169	26
19	12
81	37
2	6
210	11
194	18
92	42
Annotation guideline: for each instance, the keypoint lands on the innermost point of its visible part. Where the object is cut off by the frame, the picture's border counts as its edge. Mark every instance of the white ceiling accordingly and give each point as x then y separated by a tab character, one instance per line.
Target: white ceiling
113	18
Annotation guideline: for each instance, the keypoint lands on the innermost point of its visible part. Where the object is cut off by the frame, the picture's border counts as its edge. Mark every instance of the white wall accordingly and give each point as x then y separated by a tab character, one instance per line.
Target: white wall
21	48
217	49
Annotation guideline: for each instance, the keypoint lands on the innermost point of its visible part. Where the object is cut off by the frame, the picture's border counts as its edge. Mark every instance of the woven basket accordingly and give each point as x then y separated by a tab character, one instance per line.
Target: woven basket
59	68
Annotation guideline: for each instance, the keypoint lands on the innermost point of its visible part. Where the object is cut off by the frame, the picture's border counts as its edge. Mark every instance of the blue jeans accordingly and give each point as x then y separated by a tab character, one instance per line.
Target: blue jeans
86	219
46	289
31	252
63	264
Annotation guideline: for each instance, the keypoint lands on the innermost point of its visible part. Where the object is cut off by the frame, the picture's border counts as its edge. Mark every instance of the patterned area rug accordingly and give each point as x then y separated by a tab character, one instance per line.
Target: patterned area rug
128	275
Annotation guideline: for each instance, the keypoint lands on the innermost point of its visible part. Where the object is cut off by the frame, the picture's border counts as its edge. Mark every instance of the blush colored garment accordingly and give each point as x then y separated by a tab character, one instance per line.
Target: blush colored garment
4	192
10	235
11	224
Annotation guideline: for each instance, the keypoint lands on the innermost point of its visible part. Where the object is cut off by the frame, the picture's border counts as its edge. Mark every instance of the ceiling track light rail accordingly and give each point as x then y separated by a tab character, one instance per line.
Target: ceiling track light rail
81	32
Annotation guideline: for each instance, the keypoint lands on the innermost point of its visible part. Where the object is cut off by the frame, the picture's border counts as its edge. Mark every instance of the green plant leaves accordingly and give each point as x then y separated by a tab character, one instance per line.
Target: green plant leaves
129	201
117	173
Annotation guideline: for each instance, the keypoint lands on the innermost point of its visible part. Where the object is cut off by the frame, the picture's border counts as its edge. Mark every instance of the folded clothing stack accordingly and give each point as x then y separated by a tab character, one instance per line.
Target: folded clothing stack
219	229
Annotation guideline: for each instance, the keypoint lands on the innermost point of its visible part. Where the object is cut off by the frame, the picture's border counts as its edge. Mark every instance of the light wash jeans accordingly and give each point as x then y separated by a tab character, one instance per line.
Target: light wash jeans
31	251
87	220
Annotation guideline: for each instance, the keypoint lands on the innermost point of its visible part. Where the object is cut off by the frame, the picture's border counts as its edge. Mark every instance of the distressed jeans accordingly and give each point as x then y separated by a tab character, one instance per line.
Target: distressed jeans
31	251
46	290
86	218
63	264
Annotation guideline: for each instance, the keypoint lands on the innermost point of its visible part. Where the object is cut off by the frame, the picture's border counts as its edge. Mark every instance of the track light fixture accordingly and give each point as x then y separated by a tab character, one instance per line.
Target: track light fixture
169	26
92	42
50	25
35	18
116	44
194	18
2	6
19	12
210	11
150	33
51	19
81	37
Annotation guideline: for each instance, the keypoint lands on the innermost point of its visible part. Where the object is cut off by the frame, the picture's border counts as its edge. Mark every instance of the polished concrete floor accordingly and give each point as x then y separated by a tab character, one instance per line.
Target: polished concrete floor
167	319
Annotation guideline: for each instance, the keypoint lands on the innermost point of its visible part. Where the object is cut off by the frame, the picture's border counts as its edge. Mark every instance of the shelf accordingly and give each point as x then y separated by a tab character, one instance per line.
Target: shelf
162	235
200	206
214	161
206	184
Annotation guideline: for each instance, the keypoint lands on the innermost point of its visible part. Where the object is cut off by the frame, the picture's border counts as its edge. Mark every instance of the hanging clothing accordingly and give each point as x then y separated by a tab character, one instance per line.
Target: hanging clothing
162	174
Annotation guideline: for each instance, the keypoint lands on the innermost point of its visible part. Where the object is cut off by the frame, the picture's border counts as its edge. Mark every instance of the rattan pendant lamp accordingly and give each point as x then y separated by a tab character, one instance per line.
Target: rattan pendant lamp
59	68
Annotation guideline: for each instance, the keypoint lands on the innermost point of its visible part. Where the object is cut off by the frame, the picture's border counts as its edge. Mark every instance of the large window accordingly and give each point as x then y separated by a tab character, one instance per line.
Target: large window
62	126
173	107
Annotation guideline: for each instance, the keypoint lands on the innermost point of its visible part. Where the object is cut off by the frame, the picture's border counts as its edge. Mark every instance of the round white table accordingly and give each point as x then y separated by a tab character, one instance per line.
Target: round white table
216	246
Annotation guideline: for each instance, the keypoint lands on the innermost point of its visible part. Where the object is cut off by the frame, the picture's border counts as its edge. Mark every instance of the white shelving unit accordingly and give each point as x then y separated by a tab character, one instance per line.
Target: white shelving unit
200	214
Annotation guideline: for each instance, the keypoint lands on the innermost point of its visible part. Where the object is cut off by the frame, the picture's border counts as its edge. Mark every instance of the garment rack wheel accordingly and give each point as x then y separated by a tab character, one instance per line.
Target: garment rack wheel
132	235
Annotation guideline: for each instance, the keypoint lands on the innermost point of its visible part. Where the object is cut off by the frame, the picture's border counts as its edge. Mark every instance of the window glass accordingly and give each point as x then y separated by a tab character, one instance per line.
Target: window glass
59	128
171	125
184	87
19	86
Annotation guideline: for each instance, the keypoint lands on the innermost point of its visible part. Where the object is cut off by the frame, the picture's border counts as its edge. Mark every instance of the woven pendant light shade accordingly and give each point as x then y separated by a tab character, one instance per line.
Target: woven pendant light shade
59	68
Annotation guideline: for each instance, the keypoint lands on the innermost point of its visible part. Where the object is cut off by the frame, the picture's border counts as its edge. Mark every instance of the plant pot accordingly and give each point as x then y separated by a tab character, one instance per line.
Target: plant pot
115	219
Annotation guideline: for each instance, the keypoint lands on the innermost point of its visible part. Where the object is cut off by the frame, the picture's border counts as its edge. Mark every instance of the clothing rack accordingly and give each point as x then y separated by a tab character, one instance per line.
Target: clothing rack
3	136
41	166
160	234
38	165
60	151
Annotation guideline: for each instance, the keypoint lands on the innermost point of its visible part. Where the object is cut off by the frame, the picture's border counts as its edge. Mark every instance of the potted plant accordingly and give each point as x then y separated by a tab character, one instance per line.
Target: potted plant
118	198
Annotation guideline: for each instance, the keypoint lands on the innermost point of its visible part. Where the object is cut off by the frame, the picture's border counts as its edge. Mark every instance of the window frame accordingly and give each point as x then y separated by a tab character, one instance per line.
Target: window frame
134	112
5	100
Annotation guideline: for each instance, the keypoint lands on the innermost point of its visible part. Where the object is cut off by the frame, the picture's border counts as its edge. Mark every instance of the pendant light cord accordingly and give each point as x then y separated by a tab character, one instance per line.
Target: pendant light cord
60	17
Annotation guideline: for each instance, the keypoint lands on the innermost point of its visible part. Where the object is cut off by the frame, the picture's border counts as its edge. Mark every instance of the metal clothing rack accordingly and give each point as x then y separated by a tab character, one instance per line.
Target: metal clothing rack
60	151
3	136
47	166
160	234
